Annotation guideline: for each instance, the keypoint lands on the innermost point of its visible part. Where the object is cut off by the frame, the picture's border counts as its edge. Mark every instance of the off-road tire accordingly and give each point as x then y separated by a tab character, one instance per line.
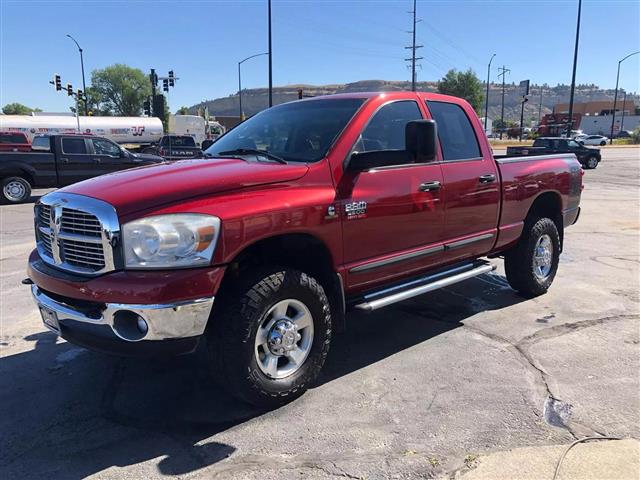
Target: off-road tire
591	162
26	189
518	261
235	321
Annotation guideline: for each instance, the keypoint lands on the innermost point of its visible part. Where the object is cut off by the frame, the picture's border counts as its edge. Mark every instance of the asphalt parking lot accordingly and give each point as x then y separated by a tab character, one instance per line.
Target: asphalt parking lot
417	390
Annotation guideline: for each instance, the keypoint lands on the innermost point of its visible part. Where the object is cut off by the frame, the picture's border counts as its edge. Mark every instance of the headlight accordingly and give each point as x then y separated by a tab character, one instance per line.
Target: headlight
167	241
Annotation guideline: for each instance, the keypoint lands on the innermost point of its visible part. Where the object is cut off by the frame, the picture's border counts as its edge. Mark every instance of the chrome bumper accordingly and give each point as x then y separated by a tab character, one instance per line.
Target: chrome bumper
160	321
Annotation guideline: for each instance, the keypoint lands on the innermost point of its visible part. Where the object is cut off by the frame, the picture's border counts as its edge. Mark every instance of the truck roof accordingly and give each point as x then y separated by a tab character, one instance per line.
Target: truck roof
391	95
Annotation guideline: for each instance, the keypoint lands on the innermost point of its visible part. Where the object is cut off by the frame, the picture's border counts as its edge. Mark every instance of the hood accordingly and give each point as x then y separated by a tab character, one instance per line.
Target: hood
147	157
147	187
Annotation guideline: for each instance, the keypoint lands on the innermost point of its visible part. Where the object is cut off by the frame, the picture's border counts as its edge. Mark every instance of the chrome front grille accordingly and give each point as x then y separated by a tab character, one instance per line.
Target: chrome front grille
81	223
77	233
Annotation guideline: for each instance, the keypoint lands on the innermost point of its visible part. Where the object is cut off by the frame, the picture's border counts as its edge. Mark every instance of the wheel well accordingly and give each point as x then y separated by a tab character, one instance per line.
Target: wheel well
298	251
548	204
16	172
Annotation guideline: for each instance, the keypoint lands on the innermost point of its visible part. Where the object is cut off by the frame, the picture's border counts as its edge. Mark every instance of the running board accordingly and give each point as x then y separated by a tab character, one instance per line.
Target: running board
374	301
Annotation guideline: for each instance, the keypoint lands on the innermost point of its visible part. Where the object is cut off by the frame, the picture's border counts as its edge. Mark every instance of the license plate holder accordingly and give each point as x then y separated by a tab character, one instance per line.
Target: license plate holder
50	319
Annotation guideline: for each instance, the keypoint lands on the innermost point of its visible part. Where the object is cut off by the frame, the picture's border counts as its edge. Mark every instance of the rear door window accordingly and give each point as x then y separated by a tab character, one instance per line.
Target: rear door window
74	146
458	139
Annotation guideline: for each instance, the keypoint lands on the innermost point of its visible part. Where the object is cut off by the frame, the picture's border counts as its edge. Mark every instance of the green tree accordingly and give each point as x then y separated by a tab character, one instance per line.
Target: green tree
464	85
18	109
119	90
183	111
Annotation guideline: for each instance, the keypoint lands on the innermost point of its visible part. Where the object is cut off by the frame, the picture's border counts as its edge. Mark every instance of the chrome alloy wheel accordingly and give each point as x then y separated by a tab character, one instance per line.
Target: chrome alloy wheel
543	257
14	191
284	338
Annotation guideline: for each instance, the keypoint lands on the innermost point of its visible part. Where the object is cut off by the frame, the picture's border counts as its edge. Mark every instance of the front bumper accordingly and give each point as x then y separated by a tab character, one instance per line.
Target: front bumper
126	328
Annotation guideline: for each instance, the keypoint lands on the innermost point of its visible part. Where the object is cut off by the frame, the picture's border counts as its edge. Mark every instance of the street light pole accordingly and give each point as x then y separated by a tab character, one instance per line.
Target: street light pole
84	86
240	80
615	97
486	100
270	69
573	76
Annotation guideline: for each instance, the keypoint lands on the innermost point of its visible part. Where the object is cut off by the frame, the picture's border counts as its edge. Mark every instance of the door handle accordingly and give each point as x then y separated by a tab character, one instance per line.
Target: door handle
429	186
487	178
64	160
97	160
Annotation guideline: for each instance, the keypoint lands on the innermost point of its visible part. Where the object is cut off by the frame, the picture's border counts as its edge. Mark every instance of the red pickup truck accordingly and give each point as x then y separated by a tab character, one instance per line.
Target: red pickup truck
305	211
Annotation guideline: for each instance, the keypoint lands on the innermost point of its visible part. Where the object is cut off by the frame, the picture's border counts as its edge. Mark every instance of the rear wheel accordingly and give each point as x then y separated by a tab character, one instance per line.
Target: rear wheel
531	266
603	143
269	339
15	190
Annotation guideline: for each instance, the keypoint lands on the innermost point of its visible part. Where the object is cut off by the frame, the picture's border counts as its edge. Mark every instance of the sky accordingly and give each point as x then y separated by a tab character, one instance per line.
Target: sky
314	42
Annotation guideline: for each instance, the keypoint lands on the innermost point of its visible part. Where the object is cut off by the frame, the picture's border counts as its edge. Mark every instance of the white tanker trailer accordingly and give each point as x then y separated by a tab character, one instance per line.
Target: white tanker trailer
140	131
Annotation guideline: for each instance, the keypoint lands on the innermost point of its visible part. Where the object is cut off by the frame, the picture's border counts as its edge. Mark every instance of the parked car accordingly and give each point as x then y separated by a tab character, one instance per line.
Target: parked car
593	140
624	134
303	212
588	157
59	160
176	147
14	142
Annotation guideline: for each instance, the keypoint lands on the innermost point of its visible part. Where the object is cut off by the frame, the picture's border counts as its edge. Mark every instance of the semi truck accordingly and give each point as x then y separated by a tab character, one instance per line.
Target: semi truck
135	131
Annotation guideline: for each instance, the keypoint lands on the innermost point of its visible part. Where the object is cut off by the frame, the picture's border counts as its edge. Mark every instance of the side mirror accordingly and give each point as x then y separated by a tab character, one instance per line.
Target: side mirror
363	161
420	139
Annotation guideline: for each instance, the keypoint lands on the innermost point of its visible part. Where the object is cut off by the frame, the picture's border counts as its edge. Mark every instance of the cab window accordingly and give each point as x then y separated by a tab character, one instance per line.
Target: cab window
457	137
74	146
105	147
386	129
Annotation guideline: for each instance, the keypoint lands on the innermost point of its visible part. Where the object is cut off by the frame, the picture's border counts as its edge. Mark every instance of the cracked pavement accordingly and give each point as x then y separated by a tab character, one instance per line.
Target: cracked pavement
417	390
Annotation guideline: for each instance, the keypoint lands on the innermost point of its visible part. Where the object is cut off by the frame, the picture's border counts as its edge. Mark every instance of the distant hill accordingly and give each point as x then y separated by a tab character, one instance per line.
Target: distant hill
256	99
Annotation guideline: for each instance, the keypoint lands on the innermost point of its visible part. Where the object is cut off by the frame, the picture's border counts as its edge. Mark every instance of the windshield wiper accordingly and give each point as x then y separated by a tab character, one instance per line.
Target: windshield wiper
253	151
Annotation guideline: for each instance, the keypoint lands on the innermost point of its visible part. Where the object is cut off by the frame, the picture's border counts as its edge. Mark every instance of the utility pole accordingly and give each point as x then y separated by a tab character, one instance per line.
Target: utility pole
573	76
624	105
503	72
486	98
270	68
540	106
413	48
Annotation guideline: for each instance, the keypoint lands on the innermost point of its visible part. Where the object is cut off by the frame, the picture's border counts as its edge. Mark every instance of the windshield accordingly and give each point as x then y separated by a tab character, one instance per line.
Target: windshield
297	131
12	138
178	142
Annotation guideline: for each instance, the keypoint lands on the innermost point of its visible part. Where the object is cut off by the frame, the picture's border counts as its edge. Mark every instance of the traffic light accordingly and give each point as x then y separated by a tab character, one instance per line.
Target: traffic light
147	108
172	80
165	85
69	89
57	82
80	95
153	77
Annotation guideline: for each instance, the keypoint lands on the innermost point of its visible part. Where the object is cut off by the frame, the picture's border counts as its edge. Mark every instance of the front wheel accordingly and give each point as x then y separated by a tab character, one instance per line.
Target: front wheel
592	162
531	266
603	143
269	339
15	190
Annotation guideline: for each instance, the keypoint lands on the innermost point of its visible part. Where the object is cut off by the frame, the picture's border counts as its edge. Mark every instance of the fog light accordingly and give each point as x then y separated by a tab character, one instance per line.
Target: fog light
129	325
